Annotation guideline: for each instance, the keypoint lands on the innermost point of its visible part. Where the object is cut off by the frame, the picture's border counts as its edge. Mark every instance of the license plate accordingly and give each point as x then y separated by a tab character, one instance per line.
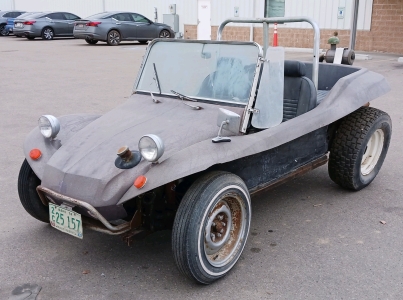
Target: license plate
66	220
18	25
80	25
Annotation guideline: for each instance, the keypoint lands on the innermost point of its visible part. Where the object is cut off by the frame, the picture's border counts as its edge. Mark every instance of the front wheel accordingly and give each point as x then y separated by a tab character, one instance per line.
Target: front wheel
359	148
91	41
211	226
165	34
27	183
48	34
113	38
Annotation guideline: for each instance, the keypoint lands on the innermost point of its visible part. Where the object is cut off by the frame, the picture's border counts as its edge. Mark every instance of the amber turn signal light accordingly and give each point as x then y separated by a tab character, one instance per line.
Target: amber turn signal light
35	154
140	181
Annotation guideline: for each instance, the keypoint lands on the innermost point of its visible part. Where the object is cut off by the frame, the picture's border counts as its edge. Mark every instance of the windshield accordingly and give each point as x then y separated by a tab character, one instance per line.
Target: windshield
209	71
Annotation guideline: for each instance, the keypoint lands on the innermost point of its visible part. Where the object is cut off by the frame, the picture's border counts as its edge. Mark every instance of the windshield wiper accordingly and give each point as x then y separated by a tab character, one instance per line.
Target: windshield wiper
157	82
183	97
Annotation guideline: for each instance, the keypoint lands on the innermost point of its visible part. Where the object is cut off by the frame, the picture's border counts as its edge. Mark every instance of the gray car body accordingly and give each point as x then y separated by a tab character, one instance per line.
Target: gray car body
61	27
129	30
83	167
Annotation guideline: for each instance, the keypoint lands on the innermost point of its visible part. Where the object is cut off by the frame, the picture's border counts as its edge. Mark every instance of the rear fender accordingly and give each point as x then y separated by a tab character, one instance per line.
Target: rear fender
69	125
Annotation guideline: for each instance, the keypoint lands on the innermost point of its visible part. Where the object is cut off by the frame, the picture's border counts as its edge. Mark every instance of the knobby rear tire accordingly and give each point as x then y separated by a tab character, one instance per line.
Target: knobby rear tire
346	165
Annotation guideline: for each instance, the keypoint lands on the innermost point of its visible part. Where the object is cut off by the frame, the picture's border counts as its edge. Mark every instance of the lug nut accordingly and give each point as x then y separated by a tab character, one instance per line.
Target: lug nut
219	235
212	236
223	224
220	217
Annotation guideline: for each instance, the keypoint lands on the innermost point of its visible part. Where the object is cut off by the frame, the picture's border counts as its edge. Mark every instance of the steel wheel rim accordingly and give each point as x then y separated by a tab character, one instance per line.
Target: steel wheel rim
372	152
114	38
164	34
220	250
48	33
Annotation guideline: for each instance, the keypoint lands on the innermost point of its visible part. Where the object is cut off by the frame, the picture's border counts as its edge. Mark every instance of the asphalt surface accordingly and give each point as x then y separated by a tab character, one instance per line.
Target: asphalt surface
309	238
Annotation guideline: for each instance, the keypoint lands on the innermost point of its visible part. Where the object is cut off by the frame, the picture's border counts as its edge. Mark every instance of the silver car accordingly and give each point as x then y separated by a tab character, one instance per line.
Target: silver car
46	25
4	16
114	27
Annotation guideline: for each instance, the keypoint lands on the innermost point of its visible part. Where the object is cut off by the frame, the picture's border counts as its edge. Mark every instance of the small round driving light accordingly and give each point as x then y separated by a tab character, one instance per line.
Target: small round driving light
151	147
49	126
35	154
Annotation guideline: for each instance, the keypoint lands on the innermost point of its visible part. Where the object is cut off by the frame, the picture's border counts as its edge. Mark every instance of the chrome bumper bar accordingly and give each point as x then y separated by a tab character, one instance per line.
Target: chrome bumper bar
47	195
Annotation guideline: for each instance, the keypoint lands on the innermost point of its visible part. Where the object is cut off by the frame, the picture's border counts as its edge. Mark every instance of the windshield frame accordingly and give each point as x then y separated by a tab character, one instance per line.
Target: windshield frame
202	99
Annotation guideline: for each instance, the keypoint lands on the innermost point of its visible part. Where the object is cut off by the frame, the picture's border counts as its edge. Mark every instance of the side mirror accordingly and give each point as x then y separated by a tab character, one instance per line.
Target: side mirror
229	121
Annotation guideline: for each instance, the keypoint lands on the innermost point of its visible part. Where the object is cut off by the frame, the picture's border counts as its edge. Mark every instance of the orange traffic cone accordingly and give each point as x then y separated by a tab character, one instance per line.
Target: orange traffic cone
275	38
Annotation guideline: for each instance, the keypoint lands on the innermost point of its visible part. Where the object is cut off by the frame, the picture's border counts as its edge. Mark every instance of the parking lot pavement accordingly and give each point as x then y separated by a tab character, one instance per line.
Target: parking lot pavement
309	238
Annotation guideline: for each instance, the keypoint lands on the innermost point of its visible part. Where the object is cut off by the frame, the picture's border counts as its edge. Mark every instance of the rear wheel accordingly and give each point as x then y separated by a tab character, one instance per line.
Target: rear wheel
113	38
165	34
359	148
211	226
30	37
3	30
91	41
27	183
48	33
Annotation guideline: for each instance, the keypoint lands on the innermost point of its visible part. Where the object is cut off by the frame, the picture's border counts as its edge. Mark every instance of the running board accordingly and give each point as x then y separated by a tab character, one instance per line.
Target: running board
290	176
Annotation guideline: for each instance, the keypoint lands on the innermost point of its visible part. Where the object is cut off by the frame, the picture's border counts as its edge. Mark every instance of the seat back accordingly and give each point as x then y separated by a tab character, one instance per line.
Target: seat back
299	91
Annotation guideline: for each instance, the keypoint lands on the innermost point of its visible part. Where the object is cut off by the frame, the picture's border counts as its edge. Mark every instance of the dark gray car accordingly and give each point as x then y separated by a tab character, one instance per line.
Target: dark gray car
4	16
114	27
46	25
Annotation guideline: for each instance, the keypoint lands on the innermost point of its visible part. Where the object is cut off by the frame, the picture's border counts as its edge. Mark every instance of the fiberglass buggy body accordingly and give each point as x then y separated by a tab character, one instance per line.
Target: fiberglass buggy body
276	119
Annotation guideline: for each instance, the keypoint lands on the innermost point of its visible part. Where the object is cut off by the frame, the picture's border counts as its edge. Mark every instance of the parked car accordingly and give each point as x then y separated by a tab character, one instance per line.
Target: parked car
10	22
4	17
276	119
46	25
114	27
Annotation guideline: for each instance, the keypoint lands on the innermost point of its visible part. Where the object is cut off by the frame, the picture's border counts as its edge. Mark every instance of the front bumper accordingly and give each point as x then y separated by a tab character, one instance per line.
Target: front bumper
97	221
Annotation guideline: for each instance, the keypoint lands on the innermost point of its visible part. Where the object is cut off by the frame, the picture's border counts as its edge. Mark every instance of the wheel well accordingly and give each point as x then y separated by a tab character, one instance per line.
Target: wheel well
46	28
115	30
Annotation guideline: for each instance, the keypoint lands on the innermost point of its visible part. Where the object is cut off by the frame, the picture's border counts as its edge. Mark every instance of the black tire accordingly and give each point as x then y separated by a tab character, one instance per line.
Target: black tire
27	183
3	30
209	199
91	41
30	38
113	38
48	34
359	148
164	34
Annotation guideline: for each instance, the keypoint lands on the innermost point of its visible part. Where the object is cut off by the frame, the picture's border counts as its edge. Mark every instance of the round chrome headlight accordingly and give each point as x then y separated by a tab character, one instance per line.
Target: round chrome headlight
49	126
151	147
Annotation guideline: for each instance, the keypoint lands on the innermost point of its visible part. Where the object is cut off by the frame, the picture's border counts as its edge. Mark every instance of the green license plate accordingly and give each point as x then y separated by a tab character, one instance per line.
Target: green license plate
66	220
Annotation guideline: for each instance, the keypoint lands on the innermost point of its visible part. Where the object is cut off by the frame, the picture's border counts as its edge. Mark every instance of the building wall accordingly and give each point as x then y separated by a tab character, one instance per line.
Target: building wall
6	5
384	35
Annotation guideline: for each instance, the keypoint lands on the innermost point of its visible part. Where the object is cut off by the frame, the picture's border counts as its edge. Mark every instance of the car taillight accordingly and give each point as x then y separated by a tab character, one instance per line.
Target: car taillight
29	22
94	24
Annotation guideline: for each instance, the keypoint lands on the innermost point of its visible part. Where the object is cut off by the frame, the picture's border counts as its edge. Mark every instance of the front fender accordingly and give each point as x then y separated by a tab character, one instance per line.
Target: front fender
69	125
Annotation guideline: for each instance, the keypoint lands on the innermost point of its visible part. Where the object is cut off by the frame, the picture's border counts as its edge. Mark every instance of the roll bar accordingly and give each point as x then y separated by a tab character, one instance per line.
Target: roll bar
267	21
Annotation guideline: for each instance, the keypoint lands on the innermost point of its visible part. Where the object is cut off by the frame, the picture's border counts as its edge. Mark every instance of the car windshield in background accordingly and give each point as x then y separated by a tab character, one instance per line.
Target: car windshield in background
208	71
98	16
